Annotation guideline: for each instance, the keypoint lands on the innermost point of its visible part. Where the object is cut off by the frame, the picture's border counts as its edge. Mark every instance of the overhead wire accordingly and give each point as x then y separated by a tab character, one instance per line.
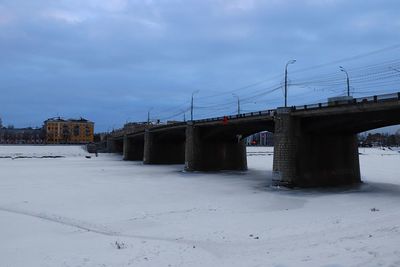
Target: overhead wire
363	77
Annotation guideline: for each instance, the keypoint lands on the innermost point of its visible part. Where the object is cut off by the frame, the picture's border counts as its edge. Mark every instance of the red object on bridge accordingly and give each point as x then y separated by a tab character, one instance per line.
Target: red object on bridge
225	120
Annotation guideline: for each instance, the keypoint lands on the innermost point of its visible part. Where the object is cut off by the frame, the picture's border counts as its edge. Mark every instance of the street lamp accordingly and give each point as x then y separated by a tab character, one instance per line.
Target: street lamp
347	79
191	106
148	116
183	111
238	103
289	62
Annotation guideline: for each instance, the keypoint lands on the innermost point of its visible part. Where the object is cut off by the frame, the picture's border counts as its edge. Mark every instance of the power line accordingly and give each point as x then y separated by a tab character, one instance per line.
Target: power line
363	77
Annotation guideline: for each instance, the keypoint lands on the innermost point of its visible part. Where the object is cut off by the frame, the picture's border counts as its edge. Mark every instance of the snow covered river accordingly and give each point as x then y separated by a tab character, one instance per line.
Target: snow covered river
102	211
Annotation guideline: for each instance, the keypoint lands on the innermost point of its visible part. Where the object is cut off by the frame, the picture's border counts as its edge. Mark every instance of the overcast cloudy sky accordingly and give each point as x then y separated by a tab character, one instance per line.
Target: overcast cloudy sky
112	60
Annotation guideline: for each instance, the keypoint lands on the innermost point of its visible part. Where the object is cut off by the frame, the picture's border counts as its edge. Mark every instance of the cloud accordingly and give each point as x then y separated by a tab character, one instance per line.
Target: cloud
306	35
324	3
64	16
110	5
243	5
371	21
5	16
113	59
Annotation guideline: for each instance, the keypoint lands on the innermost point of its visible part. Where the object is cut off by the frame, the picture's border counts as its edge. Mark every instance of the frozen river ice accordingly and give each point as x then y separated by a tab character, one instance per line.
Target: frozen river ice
75	211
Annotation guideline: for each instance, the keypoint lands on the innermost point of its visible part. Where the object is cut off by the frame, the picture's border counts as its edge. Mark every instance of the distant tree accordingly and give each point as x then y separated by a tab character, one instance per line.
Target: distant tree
27	136
96	138
375	139
391	140
397	135
362	137
1	123
381	139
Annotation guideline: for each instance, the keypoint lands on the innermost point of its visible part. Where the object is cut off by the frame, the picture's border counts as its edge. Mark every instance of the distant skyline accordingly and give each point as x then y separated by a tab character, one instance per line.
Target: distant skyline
112	61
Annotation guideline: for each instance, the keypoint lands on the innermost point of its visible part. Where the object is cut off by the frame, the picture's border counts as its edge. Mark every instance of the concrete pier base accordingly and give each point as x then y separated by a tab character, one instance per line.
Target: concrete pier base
162	149
133	148
213	154
313	159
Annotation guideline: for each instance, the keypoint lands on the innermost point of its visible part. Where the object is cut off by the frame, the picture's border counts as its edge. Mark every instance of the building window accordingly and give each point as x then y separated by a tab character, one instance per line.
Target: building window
76	130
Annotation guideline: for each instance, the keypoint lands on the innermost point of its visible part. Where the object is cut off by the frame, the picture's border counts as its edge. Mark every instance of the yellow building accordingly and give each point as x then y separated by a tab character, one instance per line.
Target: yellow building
60	131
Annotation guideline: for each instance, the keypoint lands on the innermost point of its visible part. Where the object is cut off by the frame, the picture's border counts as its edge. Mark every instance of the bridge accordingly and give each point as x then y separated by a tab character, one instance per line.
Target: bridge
314	145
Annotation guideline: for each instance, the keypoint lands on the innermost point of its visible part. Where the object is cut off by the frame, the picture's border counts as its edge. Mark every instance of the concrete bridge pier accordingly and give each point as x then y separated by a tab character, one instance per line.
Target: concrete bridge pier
161	149
133	149
213	154
287	138
114	146
313	159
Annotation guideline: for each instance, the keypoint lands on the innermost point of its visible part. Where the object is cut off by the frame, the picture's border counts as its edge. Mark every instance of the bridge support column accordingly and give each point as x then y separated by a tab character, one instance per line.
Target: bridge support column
313	159
213	155
133	149
159	150
286	141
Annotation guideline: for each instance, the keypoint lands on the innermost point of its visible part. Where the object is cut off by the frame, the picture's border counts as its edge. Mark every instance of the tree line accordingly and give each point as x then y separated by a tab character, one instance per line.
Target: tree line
379	139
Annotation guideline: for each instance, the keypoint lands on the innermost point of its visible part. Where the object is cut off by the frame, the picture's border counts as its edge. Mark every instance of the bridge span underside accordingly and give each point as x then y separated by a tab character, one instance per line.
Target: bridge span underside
133	148
221	146
115	145
165	147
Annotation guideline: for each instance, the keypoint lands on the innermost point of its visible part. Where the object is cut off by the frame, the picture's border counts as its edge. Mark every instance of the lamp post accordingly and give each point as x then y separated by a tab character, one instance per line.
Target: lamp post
148	116
238	103
347	80
191	105
289	62
184	114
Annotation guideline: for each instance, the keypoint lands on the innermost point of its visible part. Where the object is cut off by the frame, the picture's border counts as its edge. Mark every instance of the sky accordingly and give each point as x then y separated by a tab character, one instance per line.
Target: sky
113	61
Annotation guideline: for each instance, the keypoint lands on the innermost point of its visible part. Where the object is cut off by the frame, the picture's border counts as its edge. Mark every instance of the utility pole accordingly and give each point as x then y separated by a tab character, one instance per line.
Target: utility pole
289	62
191	106
347	80
238	103
191	109
148	116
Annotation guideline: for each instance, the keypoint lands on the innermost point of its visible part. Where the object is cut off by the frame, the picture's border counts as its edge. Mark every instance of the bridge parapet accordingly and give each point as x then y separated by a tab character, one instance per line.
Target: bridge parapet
117	133
393	97
130	128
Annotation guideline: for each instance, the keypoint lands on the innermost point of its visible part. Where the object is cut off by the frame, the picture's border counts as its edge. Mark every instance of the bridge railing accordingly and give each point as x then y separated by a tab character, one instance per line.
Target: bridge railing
359	100
169	125
238	116
271	112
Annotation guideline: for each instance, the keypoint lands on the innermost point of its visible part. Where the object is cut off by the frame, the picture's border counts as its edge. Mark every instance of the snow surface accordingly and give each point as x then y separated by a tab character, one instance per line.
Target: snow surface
78	211
38	151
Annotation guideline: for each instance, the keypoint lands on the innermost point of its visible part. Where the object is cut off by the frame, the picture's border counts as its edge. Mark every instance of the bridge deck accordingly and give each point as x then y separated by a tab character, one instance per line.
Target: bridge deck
356	105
